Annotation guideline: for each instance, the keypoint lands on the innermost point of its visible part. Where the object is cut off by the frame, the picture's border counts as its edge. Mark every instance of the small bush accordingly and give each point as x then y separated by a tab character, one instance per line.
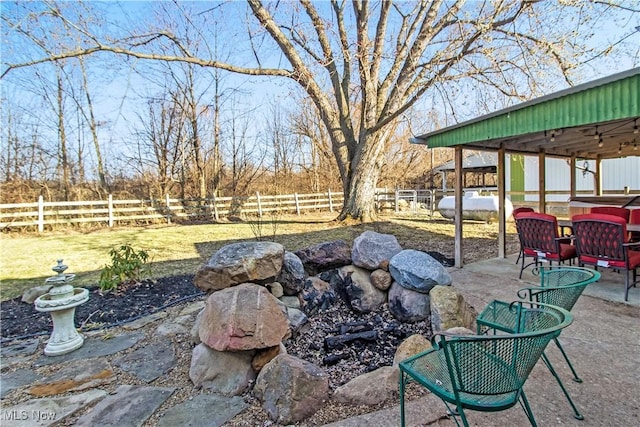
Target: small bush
127	264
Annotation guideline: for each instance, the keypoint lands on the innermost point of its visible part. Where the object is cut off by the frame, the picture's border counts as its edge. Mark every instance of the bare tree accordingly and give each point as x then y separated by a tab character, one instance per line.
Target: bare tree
365	65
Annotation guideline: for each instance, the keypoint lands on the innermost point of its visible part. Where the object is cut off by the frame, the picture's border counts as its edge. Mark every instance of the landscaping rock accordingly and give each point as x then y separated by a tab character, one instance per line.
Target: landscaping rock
291	389
449	309
371	388
16	379
94	347
78	376
418	271
20	348
361	294
325	256
48	411
381	279
245	317
276	289
372	250
407	305
224	372
129	406
217	409
257	262
292	274
195	329
413	345
148	362
296	319
30	295
266	355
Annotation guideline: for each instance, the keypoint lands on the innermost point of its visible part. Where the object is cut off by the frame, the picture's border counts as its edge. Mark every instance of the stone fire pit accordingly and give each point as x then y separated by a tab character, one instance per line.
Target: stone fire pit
297	326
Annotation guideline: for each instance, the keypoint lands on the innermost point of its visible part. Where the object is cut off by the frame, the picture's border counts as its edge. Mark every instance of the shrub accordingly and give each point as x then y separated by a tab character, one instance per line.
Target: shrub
127	265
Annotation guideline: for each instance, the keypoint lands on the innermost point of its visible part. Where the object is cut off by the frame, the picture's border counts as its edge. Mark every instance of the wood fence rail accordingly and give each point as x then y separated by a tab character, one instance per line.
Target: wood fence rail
111	211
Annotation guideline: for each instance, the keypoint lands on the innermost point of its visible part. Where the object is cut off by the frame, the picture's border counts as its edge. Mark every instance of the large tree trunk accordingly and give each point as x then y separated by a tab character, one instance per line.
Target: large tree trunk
359	187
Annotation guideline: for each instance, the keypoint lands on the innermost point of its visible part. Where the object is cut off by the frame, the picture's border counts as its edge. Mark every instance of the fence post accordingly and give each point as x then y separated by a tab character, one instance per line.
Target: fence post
415	202
215	207
330	202
168	203
110	210
40	214
295	196
397	200
259	204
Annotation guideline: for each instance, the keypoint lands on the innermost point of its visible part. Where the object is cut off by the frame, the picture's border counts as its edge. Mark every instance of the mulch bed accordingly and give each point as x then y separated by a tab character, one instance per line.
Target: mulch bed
21	320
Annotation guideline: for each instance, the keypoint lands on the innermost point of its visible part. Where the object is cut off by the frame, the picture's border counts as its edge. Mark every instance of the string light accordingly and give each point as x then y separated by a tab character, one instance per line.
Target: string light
596	135
635	126
600	141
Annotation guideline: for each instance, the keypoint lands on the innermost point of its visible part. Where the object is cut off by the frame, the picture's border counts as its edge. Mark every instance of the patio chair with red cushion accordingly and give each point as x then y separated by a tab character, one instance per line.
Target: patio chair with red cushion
540	240
634	218
602	241
612	210
515	213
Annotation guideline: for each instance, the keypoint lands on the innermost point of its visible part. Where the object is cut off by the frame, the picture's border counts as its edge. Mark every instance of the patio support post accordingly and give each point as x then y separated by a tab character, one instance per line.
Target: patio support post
597	179
502	220
572	182
458	207
542	183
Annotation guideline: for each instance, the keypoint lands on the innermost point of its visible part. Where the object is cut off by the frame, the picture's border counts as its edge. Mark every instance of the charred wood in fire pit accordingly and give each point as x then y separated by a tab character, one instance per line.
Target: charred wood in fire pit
352	327
340	341
332	359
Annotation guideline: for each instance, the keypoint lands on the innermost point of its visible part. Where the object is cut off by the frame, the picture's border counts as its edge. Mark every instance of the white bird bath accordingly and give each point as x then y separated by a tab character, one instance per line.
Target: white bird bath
61	301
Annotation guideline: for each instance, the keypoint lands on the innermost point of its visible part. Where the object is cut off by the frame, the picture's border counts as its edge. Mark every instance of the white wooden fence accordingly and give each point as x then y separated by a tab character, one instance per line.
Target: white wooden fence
110	211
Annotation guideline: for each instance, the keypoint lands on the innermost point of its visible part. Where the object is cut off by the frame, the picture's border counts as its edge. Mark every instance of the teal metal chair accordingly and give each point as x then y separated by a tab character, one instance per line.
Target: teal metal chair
560	286
485	372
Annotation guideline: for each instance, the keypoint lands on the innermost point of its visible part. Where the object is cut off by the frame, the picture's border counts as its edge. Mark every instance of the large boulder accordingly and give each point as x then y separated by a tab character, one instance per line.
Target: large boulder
373	250
418	271
450	310
407	305
325	256
292	274
245	317
361	294
257	262
372	388
291	389
228	373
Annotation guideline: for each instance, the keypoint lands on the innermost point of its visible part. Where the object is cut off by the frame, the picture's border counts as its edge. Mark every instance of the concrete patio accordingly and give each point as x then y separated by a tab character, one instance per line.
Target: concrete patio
603	343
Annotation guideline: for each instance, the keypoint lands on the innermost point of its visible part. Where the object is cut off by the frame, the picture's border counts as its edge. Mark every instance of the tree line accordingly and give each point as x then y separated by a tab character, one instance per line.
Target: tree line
355	81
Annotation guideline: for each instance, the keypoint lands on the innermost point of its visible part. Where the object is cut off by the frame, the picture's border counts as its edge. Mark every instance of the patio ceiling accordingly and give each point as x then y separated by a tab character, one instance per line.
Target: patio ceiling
596	120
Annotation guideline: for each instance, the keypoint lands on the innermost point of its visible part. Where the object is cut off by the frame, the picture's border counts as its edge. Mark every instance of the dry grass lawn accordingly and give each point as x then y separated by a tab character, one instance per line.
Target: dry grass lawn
26	259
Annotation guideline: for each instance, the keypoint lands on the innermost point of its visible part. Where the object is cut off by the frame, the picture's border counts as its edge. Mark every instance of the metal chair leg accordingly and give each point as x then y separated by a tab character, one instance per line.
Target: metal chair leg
576	378
402	381
576	414
527	409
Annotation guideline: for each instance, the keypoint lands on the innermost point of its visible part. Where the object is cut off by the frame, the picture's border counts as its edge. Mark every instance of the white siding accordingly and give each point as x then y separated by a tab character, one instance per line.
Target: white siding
616	174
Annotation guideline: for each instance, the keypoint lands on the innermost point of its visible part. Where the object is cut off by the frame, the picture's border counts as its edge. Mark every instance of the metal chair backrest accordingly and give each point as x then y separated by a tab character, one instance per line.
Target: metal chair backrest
498	364
600	237
560	286
623	213
538	232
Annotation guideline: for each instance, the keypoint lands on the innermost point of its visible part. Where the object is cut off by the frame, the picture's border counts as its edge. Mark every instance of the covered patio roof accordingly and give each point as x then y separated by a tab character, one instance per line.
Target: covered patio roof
595	120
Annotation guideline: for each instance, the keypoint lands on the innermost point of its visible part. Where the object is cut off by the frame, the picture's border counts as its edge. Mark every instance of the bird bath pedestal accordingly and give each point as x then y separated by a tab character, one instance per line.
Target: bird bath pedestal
61	301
